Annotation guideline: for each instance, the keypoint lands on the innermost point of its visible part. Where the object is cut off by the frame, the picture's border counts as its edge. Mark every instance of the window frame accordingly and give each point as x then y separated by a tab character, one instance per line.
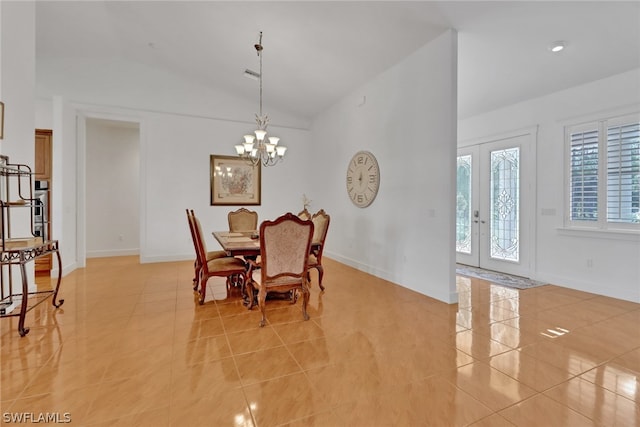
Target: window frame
601	124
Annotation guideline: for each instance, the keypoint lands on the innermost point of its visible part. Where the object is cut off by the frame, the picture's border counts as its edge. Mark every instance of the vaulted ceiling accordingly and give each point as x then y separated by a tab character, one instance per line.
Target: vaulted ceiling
315	52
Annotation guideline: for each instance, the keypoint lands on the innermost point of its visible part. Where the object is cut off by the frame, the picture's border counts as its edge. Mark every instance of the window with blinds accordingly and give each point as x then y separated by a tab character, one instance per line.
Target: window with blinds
604	172
584	176
623	173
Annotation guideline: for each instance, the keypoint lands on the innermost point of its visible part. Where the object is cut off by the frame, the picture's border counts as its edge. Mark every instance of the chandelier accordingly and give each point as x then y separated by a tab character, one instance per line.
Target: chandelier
260	148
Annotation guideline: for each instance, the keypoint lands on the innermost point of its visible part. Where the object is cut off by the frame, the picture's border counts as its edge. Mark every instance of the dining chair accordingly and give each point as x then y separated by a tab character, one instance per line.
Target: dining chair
228	267
209	256
243	220
320	227
304	214
284	247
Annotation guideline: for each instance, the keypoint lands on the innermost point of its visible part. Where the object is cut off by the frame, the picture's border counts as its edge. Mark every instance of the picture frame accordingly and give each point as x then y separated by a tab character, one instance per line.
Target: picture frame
1	120
234	181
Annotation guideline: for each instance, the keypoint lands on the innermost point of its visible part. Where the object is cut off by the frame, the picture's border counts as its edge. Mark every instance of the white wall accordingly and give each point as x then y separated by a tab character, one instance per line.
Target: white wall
113	191
175	151
406	118
17	87
561	257
44	111
17	91
64	202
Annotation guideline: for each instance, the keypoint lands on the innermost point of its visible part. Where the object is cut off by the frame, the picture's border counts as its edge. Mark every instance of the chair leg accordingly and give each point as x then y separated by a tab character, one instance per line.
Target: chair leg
320	274
249	293
305	301
203	287
262	297
195	275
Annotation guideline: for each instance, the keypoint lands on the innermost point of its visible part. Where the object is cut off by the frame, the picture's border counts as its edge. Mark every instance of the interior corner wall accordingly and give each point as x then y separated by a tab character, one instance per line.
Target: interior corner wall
17	89
406	117
598	263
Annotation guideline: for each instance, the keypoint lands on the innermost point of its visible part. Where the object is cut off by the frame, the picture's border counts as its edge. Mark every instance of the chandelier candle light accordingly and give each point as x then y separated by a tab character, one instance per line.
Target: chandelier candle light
268	153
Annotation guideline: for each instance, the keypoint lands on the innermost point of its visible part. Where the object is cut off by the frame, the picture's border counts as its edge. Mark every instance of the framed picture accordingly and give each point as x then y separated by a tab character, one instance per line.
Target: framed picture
1	120
234	181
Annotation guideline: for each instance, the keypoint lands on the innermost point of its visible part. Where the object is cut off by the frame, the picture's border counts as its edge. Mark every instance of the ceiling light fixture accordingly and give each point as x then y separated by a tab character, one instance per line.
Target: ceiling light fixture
268	153
557	46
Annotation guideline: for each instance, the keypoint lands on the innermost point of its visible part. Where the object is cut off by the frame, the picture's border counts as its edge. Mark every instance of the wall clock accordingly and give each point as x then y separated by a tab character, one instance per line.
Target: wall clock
363	178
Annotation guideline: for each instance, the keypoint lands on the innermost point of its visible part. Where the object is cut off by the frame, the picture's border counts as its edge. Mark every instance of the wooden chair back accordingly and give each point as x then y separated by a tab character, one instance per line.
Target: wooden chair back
222	267
201	247
304	214
284	250
284	247
320	221
243	220
321	226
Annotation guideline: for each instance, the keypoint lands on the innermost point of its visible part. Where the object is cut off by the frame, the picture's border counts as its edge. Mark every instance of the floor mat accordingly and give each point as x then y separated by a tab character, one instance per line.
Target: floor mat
497	277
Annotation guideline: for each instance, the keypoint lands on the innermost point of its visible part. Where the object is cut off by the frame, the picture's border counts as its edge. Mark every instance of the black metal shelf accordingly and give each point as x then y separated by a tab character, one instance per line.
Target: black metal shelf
18	251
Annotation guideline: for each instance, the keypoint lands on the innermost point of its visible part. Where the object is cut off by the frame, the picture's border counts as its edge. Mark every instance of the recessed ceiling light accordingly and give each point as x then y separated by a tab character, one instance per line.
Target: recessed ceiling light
557	46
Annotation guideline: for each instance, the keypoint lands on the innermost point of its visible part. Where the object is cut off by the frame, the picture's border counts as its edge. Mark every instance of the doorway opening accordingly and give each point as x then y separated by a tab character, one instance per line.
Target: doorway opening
112	187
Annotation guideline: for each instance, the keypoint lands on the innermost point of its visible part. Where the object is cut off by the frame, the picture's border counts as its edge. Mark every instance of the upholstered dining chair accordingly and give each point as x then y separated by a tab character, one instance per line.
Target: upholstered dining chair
228	267
284	248
243	220
320	221
209	256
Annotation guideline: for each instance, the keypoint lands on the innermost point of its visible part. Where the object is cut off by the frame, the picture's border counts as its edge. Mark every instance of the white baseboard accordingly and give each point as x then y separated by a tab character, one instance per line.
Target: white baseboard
452	296
630	294
113	252
66	269
166	258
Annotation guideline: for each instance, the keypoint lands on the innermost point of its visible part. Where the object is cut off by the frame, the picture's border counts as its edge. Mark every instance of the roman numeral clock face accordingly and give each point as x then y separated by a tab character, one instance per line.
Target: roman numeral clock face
363	179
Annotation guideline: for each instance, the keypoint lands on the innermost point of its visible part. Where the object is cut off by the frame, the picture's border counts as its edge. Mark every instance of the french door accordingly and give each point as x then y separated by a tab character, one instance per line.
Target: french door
493	213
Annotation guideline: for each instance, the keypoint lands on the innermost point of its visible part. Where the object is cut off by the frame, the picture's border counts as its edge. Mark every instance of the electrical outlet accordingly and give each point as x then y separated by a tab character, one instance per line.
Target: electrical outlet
589	263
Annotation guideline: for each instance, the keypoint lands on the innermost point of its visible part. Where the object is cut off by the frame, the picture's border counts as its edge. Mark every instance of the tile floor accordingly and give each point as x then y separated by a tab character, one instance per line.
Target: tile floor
131	347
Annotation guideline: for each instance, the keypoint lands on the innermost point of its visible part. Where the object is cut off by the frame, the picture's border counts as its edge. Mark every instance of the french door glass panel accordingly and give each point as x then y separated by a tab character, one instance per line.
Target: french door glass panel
505	201
467	207
463	204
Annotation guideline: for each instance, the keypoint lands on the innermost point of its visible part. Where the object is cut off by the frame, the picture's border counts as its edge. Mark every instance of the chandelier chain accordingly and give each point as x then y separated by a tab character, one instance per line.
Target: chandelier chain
259	49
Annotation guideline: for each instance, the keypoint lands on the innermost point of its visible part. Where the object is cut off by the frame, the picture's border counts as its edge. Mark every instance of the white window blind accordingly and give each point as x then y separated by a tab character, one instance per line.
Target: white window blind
604	173
623	173
584	175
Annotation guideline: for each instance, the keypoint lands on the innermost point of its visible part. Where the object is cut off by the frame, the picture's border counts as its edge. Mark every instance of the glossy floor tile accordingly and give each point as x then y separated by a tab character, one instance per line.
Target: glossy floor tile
132	347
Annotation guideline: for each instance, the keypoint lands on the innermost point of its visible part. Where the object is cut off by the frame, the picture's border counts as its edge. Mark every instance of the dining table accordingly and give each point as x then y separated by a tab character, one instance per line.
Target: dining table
239	243
244	243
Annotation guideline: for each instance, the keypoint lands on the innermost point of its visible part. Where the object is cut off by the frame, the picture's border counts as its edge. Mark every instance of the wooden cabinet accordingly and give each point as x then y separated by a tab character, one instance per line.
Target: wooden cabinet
42	164
42	171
